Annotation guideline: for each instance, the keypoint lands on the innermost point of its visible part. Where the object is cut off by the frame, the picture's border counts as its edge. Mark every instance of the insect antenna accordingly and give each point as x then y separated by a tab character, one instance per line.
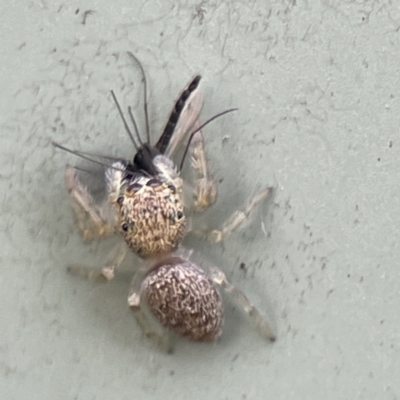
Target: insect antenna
124	121
199	129
90	154
135	125
86	157
146	114
87	171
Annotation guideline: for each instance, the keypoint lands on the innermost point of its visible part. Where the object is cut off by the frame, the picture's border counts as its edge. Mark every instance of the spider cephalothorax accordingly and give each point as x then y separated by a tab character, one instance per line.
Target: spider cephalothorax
150	210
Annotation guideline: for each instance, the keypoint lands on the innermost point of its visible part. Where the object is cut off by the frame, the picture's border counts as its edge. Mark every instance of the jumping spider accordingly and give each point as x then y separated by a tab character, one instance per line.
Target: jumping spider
146	202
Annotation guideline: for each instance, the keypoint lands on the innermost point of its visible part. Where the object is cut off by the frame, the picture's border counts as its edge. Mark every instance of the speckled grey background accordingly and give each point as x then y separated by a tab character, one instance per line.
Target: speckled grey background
317	86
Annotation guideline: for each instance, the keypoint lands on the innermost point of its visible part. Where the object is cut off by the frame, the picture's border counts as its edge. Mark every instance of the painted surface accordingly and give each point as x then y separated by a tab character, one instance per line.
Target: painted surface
317	87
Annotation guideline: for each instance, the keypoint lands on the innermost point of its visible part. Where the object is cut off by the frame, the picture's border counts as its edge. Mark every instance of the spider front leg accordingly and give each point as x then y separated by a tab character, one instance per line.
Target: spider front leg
237	218
93	221
107	273
220	279
206	190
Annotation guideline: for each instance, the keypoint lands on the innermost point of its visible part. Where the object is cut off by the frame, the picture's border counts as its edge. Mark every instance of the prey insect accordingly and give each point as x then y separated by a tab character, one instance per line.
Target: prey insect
146	203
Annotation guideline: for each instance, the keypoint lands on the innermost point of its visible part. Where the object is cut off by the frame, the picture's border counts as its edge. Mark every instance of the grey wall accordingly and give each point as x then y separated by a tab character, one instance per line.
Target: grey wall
317	86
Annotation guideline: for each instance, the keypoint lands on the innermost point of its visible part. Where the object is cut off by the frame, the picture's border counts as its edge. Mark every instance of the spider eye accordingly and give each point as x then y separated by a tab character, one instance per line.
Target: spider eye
125	227
179	214
120	200
172	188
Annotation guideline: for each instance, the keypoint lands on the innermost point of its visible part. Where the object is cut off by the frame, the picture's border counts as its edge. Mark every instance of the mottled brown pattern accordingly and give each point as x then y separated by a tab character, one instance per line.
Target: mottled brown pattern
184	299
151	217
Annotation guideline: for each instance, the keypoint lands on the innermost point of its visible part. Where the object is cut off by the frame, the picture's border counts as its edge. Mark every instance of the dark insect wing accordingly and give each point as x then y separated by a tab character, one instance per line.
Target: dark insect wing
182	118
145	152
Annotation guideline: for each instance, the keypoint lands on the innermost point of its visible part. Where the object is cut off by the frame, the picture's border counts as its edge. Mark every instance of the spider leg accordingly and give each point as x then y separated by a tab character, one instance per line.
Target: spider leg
93	221
151	328
237	218
219	278
114	261
206	190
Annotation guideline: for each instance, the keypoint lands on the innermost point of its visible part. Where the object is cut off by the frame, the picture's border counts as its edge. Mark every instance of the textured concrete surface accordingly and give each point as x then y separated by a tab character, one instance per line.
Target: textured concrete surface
317	86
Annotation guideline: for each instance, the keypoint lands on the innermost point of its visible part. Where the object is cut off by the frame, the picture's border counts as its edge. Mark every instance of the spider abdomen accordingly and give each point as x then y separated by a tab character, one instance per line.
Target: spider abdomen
184	299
